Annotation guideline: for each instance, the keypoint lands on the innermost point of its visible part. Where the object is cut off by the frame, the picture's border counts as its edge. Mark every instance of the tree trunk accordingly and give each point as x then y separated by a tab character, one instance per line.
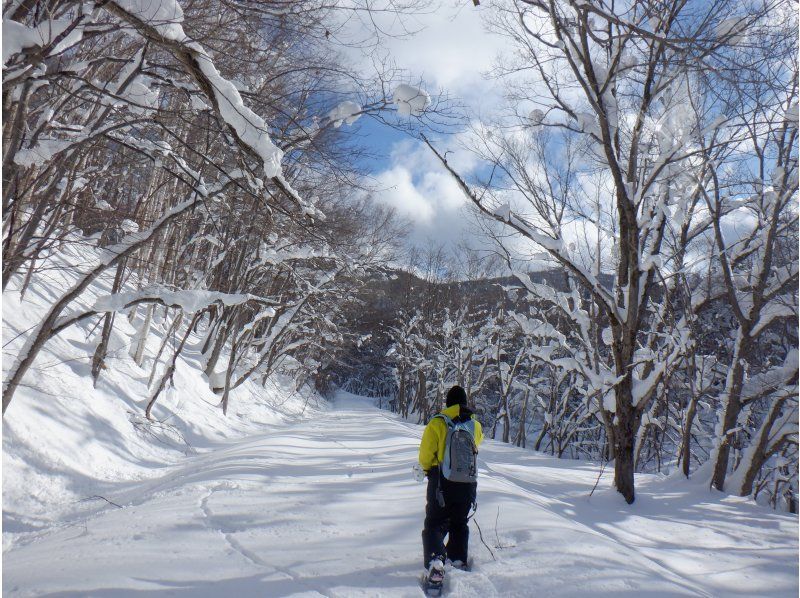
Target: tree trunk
228	372
625	437
170	331
98	359
506	420
730	413
169	371
419	400
520	439
219	342
141	337
686	441
757	453
401	394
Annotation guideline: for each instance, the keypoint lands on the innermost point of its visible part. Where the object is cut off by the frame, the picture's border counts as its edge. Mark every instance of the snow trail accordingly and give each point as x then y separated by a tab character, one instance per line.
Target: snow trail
327	507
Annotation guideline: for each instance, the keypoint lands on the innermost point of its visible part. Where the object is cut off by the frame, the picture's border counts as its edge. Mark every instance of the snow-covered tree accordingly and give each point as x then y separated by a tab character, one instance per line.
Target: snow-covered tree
603	169
145	129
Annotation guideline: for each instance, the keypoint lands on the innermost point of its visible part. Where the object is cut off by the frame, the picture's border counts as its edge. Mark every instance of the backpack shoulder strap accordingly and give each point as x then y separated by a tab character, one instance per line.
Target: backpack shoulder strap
448	422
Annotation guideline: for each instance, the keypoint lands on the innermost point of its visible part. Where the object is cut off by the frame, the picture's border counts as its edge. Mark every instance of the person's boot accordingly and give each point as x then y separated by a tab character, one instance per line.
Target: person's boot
434	580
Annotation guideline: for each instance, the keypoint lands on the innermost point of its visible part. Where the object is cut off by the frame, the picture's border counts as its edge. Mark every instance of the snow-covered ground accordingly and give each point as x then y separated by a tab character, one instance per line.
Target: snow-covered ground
326	506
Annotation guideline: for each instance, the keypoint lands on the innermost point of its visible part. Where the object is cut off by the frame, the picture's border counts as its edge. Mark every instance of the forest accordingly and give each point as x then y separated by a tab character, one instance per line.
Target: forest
628	294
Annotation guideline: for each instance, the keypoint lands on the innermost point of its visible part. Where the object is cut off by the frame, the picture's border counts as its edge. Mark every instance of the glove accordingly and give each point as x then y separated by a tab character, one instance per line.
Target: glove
418	472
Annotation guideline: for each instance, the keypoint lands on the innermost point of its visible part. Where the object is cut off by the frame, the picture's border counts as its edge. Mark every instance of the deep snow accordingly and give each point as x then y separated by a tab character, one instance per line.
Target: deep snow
327	507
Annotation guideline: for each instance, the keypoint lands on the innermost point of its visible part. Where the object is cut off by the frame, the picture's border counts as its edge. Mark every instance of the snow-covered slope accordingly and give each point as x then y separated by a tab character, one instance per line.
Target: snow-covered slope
326	507
65	442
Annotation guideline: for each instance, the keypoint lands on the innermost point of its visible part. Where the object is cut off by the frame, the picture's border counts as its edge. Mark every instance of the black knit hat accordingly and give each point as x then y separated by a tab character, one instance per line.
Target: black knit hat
456	396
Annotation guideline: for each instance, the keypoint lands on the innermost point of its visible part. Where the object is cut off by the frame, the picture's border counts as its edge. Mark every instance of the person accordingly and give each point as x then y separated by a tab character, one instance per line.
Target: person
448	502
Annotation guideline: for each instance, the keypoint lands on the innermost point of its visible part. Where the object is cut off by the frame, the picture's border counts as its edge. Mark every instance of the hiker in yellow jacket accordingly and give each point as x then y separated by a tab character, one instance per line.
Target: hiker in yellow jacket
452	482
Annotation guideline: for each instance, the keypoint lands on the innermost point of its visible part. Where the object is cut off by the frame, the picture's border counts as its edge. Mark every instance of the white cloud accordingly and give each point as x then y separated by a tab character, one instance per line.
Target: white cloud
397	189
444	188
451	50
417	186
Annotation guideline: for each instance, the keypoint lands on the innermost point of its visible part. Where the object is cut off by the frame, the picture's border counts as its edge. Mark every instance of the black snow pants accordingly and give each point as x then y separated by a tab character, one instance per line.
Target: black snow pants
446	513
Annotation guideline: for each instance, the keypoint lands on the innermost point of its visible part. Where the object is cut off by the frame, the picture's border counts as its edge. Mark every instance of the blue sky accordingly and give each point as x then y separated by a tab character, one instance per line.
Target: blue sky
449	53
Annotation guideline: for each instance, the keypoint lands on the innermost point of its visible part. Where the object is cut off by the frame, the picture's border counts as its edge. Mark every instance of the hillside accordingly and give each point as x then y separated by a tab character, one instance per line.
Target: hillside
66	441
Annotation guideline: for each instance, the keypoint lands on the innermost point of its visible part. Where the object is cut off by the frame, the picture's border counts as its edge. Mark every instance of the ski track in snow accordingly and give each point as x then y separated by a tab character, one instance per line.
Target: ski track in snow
208	519
327	508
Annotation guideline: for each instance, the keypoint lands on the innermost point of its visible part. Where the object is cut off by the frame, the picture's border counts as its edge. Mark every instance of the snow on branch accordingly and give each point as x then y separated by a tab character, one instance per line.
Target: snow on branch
554	247
410	101
190	301
163	26
347	112
784	375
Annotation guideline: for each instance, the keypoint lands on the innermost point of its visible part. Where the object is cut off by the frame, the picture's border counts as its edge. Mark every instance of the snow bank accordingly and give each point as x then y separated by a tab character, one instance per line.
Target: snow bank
65	441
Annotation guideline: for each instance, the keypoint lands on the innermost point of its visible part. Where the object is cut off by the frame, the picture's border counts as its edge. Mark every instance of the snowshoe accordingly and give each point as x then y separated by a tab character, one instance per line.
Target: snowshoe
434	580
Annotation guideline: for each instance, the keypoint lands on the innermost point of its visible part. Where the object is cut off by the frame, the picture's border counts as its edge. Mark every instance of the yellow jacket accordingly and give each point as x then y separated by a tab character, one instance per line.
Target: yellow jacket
431	449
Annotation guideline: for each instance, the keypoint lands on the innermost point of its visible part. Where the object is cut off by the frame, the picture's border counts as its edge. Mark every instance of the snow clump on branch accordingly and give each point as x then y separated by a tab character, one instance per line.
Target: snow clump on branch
410	101
17	36
347	112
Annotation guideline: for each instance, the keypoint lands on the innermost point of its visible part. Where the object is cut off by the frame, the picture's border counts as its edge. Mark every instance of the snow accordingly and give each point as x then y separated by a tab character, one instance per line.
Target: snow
166	16
44	151
190	301
129	226
17	36
536	117
731	29
793	113
410	101
503	212
249	126
197	103
141	95
347	112
587	122
327	506
64	441
271	255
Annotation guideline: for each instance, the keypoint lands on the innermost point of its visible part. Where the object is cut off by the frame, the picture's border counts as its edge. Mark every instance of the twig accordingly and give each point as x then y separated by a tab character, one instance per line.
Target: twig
480	533
496	535
597	481
499	544
97	496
